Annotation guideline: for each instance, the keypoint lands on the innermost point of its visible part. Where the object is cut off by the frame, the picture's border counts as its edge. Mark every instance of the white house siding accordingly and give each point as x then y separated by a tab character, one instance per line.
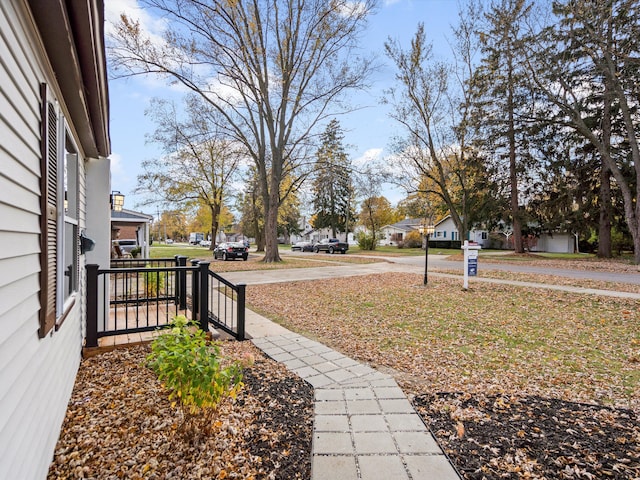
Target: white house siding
36	375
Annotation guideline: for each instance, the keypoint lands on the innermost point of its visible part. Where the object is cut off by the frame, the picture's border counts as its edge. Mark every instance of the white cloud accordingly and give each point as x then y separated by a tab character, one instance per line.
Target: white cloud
120	177
152	26
372	155
352	8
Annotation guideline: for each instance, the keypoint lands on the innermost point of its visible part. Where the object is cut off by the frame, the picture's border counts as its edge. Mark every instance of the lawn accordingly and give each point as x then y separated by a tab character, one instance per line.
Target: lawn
492	337
514	382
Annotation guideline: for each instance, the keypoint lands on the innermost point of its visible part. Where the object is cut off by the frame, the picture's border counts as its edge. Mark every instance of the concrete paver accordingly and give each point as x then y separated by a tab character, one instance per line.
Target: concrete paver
364	425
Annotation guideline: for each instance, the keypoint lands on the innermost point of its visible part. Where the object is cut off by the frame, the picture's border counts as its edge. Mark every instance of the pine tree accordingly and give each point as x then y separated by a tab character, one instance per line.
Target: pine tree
332	186
504	99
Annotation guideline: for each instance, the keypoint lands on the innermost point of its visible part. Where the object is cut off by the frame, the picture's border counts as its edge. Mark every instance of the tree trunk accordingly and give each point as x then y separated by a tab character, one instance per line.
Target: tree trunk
271	226
215	212
513	173
604	224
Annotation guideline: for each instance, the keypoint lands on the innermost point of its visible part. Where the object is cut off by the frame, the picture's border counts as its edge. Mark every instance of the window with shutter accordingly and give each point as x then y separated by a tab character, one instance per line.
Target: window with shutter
59	254
48	212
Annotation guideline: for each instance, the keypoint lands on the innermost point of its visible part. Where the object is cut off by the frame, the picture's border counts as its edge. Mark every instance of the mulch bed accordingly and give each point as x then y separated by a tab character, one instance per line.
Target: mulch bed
506	437
120	424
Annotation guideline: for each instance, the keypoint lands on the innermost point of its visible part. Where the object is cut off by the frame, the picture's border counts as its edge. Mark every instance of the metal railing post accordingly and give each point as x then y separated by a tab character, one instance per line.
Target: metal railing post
176	285
91	339
182	282
195	289
242	287
203	314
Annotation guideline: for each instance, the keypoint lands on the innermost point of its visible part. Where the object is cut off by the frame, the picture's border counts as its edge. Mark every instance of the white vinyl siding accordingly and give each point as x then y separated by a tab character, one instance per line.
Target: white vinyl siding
36	375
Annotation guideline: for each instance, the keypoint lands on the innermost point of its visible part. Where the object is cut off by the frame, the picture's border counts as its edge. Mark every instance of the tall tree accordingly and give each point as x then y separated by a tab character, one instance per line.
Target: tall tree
332	187
199	162
432	101
591	55
272	68
249	203
504	99
375	213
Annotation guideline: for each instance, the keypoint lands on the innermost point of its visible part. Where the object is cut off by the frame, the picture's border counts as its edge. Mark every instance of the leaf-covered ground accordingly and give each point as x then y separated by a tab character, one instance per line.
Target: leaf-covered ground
486	272
506	436
120	424
493	341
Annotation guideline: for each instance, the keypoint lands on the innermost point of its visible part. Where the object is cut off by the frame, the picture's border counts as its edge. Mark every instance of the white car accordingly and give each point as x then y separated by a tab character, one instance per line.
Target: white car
205	243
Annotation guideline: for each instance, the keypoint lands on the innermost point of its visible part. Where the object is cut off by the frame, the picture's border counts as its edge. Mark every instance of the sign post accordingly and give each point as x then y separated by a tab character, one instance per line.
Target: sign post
470	261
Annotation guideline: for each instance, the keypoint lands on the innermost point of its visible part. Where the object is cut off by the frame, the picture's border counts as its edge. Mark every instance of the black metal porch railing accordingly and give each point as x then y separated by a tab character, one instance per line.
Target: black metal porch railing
139	295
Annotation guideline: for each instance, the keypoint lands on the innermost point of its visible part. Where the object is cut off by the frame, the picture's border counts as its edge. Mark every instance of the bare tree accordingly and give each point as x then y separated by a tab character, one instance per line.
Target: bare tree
198	164
272	68
433	103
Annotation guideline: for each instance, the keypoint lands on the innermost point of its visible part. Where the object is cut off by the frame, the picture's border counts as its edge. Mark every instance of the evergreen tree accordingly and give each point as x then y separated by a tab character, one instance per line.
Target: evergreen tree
504	102
588	72
332	187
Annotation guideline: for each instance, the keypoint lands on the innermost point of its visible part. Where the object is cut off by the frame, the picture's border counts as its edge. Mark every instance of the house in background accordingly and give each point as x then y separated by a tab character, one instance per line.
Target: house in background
444	230
551	242
54	193
127	224
397	233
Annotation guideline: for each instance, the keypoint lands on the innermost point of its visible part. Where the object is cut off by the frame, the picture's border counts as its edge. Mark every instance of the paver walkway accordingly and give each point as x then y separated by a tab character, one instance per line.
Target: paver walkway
364	425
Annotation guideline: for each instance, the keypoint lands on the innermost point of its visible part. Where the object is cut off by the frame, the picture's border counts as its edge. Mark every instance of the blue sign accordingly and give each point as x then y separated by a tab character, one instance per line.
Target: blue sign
472	267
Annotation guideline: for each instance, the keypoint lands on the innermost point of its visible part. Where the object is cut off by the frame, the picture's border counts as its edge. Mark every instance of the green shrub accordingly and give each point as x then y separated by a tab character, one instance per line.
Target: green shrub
153	283
135	252
413	240
365	241
189	366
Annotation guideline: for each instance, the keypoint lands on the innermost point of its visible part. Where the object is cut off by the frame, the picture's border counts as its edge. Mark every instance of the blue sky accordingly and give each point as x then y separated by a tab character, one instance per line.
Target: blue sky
368	130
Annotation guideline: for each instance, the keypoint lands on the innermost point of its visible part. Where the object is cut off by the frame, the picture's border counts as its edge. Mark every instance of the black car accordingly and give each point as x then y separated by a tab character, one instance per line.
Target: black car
302	247
231	251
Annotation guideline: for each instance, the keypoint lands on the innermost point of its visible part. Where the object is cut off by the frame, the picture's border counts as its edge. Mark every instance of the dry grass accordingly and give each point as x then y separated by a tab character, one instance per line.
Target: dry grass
490	338
549	279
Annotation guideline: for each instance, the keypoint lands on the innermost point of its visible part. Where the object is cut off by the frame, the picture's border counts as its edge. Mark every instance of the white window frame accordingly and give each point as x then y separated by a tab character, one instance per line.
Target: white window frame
67	244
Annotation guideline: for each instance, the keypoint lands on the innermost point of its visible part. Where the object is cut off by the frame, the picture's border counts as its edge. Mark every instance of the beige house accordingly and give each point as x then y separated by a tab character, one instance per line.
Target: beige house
54	192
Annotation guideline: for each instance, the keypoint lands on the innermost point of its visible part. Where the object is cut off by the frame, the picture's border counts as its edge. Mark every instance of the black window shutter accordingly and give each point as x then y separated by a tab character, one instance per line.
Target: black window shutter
48	212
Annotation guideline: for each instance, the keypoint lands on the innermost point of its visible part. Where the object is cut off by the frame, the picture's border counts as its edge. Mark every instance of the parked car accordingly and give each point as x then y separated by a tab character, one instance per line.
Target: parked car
205	243
302	247
231	250
331	245
169	241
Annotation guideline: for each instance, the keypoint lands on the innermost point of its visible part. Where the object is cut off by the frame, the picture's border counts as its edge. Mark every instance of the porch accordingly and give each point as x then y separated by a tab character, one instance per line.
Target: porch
134	299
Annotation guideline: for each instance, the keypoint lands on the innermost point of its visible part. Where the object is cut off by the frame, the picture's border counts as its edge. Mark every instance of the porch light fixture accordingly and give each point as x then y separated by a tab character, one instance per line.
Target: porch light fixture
426	230
117	201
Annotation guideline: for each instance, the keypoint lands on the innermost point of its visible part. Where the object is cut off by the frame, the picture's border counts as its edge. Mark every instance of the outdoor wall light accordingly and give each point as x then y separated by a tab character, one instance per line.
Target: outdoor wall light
86	244
117	201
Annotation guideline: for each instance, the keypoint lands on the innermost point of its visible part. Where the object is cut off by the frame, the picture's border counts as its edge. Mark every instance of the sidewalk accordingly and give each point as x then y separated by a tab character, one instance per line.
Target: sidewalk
364	425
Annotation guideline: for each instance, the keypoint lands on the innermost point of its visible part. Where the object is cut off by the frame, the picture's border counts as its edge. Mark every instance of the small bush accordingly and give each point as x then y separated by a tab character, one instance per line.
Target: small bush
135	252
365	241
189	366
413	240
153	283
